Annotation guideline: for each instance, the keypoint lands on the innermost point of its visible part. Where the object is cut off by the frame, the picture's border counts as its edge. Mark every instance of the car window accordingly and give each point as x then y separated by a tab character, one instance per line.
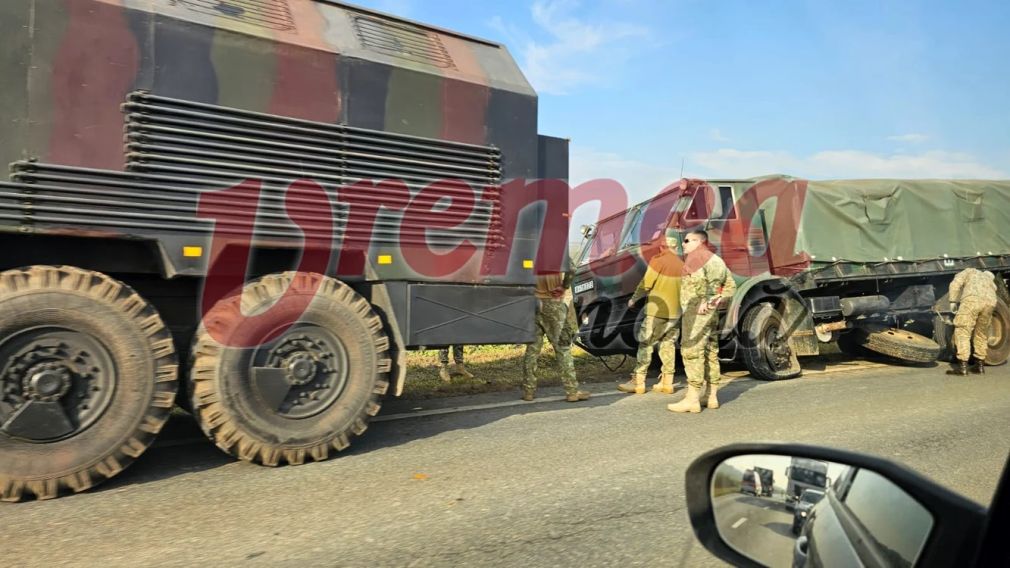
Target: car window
898	523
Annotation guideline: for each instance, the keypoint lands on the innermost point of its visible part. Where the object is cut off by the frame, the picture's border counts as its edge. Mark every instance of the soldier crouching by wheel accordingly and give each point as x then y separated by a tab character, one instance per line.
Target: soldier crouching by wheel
973	299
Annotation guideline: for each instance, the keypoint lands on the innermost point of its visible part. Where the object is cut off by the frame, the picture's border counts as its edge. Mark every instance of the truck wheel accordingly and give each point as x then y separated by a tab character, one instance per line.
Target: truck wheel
943	335
87	379
291	367
900	344
766	351
999	335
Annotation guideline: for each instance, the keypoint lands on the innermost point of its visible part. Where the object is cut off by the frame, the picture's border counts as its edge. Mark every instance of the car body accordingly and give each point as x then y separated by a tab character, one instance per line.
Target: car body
875	513
808	499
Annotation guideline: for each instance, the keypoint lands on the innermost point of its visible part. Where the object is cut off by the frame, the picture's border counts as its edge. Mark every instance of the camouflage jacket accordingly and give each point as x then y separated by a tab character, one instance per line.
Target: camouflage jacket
973	283
713	279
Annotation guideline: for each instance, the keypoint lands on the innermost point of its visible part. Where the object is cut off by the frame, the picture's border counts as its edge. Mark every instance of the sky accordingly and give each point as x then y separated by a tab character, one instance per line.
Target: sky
647	90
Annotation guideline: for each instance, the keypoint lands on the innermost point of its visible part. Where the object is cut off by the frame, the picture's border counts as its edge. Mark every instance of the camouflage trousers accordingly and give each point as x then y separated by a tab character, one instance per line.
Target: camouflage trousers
663	332
699	347
556	322
457	355
971	328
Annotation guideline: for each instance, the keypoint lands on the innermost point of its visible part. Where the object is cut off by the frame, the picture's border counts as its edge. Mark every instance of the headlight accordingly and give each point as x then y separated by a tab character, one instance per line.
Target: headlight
803	513
585	319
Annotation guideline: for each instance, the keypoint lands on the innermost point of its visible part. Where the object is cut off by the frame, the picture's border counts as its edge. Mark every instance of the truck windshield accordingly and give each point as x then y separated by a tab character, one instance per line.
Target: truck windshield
606	238
649	222
814	478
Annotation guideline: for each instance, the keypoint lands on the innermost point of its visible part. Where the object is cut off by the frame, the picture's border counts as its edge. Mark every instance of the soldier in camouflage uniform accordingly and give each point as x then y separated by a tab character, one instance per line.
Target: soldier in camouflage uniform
975	291
556	321
706	283
661	324
445	372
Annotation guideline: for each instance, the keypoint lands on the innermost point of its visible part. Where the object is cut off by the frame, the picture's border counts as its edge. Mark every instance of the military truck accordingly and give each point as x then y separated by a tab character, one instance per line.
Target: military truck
767	480
253	208
804	474
865	264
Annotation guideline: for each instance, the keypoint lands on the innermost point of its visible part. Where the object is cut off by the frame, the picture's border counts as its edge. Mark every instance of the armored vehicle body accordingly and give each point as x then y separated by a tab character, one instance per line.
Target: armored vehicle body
254	207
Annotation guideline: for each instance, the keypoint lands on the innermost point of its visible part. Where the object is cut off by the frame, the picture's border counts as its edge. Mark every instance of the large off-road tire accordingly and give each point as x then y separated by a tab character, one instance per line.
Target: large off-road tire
765	348
999	334
291	367
900	344
87	379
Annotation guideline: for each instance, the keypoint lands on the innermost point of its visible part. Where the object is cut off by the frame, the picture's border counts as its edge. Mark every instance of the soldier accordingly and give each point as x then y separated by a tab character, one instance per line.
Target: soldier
661	324
706	283
975	290
458	368
555	320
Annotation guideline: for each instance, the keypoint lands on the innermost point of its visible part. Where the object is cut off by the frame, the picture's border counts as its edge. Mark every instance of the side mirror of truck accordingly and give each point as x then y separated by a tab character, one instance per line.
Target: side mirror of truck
877	512
586	231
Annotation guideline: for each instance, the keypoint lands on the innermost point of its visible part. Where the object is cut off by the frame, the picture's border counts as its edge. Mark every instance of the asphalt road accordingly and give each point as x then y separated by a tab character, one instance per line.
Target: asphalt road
759	525
531	484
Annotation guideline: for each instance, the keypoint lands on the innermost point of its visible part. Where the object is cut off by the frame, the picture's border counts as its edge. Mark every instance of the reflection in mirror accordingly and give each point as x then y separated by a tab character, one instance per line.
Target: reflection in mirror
795	511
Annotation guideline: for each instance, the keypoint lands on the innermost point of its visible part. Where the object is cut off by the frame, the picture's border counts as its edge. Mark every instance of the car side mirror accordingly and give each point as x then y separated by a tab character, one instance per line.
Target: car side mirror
772	505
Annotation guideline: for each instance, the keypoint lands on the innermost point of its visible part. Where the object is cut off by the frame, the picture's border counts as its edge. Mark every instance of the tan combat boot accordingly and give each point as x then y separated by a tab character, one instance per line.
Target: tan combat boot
665	384
689	404
577	396
713	401
443	373
460	369
636	385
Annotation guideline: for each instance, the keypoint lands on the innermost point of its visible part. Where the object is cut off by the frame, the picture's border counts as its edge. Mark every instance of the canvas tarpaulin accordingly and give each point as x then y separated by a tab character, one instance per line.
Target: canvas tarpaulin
872	221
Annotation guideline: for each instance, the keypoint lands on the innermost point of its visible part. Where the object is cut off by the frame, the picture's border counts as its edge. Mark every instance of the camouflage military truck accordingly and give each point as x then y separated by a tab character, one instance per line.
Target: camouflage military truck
866	264
252	208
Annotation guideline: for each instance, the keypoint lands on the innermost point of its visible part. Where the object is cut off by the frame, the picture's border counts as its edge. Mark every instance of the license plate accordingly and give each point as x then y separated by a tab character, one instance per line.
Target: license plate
583	286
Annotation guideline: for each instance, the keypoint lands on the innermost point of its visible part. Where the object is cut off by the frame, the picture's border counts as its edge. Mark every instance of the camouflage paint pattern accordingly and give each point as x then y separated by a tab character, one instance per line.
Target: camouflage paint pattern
971	327
69	65
556	321
654	332
699	346
457	355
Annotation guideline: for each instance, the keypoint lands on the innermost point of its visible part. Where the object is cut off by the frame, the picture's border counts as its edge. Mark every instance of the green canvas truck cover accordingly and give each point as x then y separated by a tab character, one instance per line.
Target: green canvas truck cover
873	221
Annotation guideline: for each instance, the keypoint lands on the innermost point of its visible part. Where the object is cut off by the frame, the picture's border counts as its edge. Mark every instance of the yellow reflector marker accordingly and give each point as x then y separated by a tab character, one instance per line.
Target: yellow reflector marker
385	259
527	263
191	252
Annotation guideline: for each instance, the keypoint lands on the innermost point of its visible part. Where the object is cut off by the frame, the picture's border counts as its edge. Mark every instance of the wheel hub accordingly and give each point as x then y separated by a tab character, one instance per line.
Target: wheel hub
301	369
69	370
47	382
302	373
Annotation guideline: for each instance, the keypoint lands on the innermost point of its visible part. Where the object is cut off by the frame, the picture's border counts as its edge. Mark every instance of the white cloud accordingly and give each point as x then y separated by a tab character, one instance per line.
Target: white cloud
576	52
911	138
843	164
